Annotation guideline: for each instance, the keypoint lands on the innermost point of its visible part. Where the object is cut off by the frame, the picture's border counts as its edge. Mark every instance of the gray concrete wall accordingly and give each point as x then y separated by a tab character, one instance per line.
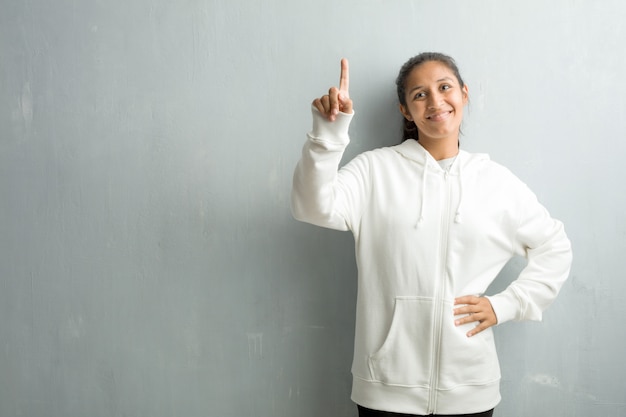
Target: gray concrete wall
149	265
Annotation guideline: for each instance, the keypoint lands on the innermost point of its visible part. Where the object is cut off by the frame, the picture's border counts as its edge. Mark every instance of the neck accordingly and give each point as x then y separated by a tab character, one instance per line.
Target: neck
441	149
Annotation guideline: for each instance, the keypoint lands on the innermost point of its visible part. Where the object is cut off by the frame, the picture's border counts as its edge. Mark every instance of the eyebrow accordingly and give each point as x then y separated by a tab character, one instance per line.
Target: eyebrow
417	87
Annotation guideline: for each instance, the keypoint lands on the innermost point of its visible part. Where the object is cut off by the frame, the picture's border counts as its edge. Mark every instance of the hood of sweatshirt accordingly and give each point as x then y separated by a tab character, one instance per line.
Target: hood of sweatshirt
464	164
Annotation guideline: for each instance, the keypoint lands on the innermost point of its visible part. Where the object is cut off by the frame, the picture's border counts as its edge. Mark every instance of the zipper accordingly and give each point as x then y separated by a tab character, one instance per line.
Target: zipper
439	299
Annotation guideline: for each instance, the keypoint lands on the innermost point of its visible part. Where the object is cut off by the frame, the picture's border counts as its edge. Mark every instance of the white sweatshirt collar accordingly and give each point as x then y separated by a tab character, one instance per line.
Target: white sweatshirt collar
411	149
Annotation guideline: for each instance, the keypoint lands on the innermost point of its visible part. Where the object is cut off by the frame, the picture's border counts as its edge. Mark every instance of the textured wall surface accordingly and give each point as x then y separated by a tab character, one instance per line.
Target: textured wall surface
149	264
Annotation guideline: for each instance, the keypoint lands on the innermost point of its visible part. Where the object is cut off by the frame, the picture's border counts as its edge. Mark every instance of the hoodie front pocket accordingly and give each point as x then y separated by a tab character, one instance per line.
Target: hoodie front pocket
467	360
406	356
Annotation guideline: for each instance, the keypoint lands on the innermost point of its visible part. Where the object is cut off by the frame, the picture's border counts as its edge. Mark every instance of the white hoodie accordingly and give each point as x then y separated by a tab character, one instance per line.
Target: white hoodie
424	236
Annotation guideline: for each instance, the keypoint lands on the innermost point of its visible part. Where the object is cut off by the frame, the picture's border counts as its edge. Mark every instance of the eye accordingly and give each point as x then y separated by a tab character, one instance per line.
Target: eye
419	95
446	87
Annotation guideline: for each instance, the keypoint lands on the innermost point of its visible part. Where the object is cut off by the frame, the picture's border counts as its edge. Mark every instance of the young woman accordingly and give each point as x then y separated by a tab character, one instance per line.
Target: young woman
433	226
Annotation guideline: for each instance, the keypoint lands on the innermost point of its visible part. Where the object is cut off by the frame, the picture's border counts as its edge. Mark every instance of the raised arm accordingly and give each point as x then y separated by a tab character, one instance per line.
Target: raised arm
322	194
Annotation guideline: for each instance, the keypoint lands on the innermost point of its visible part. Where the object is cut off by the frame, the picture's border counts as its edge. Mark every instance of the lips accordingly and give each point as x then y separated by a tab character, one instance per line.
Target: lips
439	116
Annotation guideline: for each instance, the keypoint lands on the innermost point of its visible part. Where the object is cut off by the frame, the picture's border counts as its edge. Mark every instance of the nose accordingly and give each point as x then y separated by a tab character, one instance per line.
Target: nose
434	100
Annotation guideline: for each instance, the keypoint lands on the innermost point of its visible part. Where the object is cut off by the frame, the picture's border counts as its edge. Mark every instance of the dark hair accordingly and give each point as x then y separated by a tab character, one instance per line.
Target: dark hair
409	129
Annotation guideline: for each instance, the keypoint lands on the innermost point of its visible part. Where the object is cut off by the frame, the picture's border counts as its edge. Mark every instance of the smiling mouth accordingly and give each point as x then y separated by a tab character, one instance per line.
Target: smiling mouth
439	116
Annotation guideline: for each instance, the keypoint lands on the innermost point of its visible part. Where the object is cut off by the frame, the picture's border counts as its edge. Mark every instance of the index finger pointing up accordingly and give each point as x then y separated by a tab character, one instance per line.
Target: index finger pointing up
344	79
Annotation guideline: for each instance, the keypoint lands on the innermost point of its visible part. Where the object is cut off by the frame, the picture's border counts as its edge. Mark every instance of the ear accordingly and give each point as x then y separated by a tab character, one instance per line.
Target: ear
405	113
465	94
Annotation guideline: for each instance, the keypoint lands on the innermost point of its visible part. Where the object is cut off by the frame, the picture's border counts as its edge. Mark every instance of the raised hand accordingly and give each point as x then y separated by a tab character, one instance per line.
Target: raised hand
338	99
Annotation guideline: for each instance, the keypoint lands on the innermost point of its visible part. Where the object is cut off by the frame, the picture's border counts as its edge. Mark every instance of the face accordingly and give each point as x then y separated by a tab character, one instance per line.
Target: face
435	101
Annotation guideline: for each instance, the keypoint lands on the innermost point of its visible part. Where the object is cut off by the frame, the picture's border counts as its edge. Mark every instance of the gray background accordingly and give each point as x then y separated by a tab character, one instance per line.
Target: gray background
149	264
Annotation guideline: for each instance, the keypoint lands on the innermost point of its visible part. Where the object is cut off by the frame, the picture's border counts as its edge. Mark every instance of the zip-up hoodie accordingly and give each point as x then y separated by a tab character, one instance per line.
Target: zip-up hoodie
424	236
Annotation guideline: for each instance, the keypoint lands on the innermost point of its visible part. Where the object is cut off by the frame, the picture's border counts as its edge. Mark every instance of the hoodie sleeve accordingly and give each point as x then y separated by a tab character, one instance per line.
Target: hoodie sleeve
542	240
322	194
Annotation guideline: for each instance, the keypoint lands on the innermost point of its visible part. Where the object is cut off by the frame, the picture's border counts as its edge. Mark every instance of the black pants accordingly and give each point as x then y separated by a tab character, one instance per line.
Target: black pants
366	412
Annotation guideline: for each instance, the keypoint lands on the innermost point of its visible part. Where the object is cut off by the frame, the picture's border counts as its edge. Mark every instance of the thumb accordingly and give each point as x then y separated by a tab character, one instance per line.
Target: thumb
345	104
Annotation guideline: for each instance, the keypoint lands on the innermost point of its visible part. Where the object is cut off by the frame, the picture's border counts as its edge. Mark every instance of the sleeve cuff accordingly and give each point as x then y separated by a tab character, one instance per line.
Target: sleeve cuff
504	305
327	131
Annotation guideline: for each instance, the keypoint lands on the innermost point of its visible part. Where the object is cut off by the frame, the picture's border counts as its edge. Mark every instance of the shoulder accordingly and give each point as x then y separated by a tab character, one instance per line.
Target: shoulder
489	168
379	155
491	175
508	184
